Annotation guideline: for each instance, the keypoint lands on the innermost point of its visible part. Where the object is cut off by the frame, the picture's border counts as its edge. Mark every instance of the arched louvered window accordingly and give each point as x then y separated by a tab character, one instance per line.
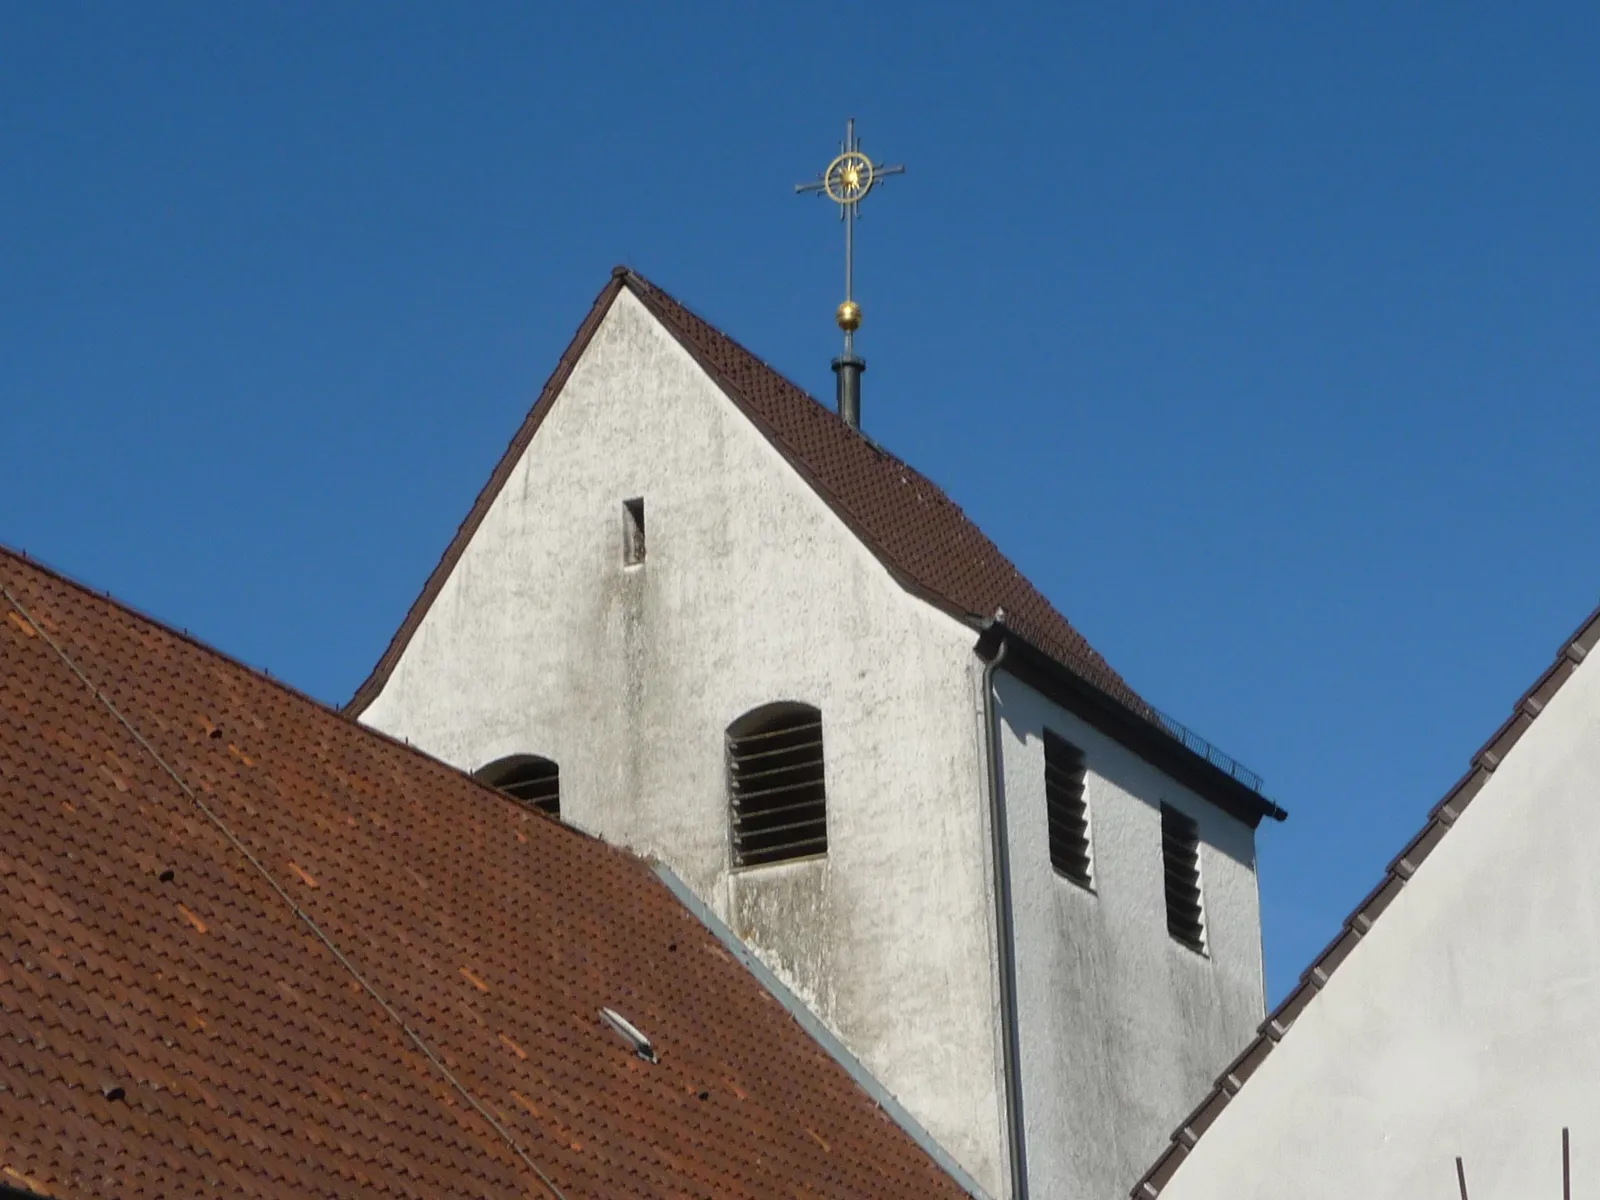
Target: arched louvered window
526	777
777	805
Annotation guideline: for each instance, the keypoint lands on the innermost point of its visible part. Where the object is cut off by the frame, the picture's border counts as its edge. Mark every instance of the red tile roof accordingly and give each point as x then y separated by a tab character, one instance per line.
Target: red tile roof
250	946
1359	923
917	531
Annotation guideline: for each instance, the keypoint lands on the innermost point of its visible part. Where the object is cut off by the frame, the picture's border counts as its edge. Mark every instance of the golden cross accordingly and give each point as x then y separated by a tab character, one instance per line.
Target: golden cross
846	182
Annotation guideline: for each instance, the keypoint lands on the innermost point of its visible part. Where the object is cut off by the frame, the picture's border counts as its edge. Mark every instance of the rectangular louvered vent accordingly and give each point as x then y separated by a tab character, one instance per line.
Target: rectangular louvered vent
633	532
1067	809
775	781
1180	852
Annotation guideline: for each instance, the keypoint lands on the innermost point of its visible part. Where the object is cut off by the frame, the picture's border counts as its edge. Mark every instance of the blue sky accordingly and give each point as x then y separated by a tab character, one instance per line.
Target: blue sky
1262	337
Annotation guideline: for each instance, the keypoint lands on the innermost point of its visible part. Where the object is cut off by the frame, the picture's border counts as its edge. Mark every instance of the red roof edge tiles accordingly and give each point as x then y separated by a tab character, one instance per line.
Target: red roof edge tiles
1360	922
917	532
248	945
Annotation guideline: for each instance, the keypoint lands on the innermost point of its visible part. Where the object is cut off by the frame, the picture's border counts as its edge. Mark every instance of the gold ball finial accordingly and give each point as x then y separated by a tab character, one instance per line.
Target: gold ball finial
849	316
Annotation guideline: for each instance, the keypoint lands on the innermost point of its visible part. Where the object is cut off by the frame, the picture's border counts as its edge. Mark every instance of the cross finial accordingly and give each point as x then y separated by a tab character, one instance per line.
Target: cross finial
846	182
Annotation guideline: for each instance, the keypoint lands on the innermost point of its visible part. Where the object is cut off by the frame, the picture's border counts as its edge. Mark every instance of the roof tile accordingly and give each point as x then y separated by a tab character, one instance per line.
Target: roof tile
1377	900
161	936
1283	1017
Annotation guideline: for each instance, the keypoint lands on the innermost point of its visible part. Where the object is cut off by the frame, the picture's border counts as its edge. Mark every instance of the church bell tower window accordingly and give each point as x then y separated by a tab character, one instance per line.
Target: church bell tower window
1067	809
1180	853
526	777
778	808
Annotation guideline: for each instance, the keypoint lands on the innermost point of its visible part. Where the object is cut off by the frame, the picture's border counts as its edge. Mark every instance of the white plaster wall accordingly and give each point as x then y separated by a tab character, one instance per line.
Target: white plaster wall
1122	1028
752	591
1463	1024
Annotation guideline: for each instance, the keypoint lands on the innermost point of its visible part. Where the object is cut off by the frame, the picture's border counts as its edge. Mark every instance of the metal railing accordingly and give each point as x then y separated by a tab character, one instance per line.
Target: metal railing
1223	762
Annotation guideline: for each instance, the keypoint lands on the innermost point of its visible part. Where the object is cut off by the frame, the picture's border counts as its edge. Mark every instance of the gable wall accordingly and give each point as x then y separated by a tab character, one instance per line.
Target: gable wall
752	591
1122	1028
1463	1023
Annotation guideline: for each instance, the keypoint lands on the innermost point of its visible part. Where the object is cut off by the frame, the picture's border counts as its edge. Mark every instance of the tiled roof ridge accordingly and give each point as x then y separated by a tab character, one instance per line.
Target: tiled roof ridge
135	613
1031	613
1441	818
1034	609
669	308
309	924
658	301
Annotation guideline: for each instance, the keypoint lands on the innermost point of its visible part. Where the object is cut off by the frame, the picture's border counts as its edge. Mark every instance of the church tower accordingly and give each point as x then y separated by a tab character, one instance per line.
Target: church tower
697	613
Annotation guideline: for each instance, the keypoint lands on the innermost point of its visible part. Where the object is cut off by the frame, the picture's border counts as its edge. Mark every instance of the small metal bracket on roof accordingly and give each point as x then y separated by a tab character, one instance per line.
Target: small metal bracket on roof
630	1033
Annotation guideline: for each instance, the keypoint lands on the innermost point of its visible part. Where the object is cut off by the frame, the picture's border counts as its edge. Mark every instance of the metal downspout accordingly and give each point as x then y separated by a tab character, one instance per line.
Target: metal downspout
1004	934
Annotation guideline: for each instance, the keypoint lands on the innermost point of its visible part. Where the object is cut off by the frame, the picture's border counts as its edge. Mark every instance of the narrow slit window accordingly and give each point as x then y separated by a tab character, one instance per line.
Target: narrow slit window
1180	853
778	808
1067	809
526	777
633	532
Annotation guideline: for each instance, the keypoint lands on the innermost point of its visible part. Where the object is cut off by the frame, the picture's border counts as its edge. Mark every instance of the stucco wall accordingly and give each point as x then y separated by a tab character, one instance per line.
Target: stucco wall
1463	1023
752	591
1122	1028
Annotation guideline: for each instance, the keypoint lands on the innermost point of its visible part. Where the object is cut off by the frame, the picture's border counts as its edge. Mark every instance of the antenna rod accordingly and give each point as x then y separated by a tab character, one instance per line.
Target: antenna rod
1461	1177
1566	1165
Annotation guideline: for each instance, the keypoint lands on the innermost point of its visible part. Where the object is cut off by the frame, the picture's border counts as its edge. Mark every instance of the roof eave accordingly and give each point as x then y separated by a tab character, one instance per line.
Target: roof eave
1138	733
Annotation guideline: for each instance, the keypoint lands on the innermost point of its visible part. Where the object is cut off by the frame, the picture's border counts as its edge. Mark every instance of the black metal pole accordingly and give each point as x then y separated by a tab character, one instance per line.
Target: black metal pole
848	368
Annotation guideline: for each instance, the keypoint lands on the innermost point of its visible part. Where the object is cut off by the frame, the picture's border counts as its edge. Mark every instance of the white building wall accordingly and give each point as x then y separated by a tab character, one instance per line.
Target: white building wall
753	590
1462	1024
1122	1029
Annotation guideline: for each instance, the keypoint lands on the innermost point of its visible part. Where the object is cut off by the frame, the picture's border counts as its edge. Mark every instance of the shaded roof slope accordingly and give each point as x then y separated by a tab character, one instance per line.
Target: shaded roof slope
918	532
1359	923
250	946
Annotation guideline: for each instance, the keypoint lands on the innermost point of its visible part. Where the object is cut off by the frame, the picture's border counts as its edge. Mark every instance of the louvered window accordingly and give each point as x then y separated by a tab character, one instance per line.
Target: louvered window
1180	852
778	808
528	778
1067	809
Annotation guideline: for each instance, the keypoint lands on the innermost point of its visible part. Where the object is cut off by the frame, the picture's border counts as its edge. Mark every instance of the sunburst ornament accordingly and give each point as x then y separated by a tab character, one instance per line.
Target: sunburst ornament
849	177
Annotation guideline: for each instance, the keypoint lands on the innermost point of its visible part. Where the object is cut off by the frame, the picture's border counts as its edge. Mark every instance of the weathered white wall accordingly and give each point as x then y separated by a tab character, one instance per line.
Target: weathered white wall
752	591
1122	1028
1463	1024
